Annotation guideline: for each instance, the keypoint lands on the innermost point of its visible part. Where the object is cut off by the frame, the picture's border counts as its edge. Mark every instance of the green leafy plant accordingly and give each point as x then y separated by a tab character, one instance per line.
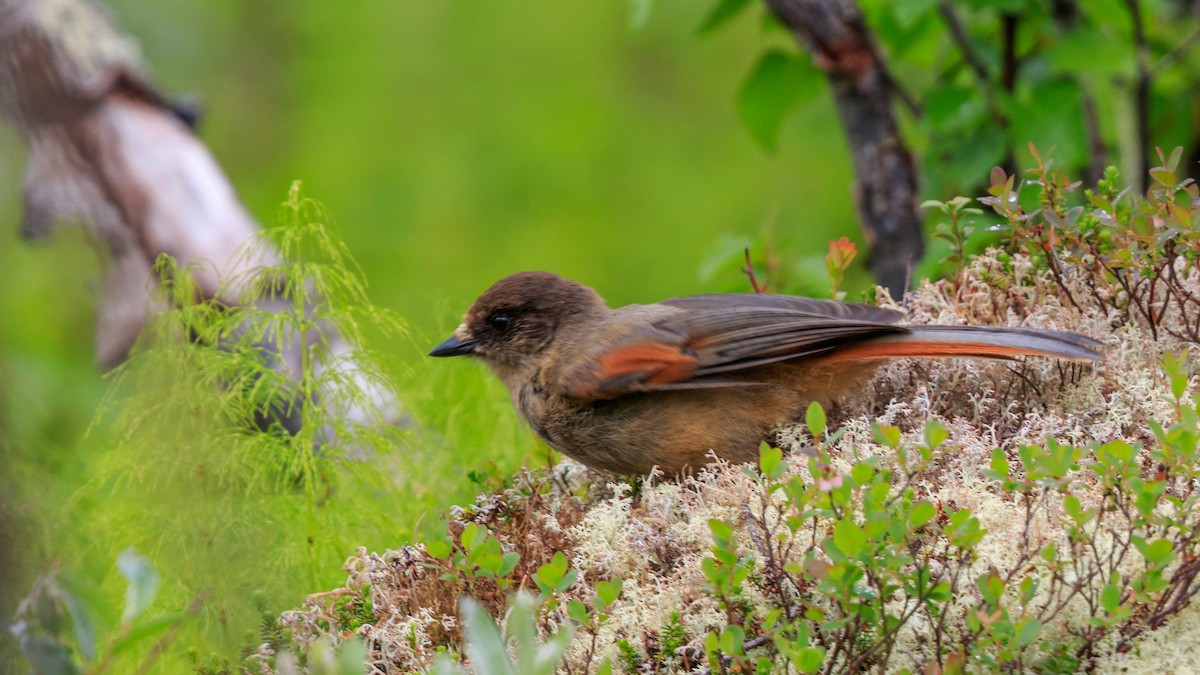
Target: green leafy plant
257	432
487	646
60	599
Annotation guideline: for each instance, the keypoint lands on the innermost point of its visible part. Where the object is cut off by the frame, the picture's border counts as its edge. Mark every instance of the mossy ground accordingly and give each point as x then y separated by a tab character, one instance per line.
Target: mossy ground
654	534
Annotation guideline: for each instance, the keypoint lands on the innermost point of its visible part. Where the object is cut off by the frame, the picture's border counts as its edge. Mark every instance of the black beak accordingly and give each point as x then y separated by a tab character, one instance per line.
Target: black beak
454	347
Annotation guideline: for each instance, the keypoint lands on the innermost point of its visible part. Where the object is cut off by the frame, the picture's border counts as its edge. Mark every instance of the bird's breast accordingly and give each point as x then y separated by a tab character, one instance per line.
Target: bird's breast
530	400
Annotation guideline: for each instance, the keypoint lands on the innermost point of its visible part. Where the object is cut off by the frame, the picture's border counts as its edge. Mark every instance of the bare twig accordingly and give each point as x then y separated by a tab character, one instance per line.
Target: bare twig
748	270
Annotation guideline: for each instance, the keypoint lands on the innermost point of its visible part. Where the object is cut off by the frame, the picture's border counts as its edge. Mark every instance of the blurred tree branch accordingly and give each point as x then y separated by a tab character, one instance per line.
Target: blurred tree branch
110	153
863	89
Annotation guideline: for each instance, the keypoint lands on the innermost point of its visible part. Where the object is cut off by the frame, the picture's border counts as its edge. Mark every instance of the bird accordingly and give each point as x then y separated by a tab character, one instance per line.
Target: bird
673	384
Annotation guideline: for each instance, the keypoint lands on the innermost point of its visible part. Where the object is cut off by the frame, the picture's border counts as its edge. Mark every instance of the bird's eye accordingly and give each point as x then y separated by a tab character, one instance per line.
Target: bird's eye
500	322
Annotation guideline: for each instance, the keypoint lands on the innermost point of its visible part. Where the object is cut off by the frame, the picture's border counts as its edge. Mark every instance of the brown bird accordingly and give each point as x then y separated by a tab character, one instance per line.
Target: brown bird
665	385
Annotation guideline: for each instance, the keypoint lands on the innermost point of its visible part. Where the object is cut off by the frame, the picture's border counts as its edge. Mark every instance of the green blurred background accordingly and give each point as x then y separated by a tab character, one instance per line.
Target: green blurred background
455	142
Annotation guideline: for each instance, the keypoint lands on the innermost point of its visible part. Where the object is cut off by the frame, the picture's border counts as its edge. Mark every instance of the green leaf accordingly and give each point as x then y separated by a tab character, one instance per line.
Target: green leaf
809	659
775	86
1027	631
999	464
935	434
1087	50
510	561
862	473
720	529
814	417
1110	596
951	109
1157	552
484	644
1179	386
885	435
567	581
608	591
438	549
770	461
722	13
1050	552
849	537
352	654
922	512
142	580
472	536
577	611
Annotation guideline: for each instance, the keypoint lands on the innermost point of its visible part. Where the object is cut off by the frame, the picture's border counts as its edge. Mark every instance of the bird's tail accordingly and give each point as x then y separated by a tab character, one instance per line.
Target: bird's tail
991	342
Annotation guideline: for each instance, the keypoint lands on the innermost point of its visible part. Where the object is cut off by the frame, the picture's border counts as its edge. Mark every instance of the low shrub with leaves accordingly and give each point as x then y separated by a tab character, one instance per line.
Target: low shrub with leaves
960	516
957	516
239	450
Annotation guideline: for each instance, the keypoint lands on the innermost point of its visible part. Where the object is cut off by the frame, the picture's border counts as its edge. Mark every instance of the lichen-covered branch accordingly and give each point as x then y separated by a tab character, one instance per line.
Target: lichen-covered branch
109	153
863	89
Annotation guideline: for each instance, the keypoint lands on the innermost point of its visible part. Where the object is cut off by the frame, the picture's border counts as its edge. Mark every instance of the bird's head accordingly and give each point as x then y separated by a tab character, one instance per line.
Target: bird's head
518	319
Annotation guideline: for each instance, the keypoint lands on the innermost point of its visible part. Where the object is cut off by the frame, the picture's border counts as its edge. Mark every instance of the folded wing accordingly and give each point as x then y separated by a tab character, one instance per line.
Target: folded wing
683	343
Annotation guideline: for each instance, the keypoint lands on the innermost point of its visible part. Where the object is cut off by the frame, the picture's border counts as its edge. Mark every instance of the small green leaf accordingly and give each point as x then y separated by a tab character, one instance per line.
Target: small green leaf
862	473
1050	552
510	561
999	464
1178	386
935	434
608	591
814	417
885	435
1157	552
1027	631
770	460
577	611
922	512
484	643
720	529
809	659
849	537
1110	596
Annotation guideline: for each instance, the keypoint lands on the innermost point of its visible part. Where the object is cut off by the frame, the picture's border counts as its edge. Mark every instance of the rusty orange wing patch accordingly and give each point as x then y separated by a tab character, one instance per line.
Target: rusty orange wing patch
637	367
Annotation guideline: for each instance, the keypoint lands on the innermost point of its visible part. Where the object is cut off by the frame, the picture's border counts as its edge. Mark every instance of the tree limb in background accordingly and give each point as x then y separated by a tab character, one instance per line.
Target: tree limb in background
1141	90
106	151
885	173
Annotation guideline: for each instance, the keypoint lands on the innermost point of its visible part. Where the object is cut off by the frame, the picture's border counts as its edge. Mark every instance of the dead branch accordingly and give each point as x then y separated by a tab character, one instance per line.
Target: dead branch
107	152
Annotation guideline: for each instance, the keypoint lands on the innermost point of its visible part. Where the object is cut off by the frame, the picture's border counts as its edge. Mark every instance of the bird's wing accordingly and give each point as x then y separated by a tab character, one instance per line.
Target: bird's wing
683	343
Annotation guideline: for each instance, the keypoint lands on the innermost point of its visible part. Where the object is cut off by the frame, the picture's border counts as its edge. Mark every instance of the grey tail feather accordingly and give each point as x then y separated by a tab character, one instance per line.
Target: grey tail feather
1033	341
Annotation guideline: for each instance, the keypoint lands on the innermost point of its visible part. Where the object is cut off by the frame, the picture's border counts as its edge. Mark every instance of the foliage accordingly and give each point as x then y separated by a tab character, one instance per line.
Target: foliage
58	624
1136	256
854	560
487	647
256	434
856	552
979	80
